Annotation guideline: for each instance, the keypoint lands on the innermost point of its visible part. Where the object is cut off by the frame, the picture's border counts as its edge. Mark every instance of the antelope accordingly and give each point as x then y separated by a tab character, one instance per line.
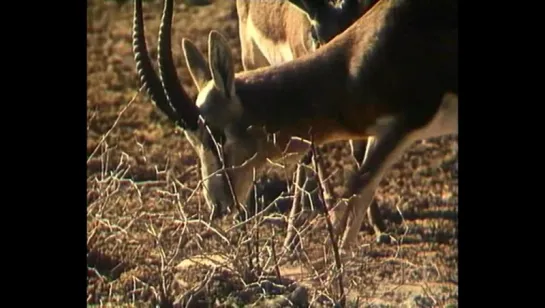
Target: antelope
392	74
274	32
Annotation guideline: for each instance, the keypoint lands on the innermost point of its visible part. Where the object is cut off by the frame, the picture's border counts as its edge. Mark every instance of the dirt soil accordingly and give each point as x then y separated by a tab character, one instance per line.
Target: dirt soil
144	219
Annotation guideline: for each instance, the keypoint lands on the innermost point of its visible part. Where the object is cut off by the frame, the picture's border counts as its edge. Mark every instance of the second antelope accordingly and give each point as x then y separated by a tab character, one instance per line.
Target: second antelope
392	74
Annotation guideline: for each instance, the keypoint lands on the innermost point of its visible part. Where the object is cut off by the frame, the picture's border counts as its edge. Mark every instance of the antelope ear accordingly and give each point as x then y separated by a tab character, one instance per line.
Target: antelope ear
198	69
221	64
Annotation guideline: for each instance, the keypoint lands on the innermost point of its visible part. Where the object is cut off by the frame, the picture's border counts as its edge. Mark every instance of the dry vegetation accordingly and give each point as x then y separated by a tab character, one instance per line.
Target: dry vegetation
146	220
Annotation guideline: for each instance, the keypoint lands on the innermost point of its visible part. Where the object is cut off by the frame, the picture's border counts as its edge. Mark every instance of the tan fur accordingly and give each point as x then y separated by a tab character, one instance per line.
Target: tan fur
325	88
271	32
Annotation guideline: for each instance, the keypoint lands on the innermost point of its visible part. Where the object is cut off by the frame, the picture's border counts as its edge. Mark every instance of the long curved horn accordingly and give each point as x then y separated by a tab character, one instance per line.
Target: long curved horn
171	83
146	73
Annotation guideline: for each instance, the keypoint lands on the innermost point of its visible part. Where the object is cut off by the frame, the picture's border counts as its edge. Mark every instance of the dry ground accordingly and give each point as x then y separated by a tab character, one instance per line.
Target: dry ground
142	172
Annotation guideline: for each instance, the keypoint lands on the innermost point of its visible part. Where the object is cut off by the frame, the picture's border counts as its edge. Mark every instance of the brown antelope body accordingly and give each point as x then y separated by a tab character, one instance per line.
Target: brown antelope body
274	32
393	74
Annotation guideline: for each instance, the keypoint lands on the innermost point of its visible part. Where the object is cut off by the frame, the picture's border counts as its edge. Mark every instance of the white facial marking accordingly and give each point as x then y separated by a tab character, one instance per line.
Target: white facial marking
203	94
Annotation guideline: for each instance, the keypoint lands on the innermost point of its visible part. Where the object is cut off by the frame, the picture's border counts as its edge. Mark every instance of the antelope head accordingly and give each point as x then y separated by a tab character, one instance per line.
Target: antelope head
229	149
